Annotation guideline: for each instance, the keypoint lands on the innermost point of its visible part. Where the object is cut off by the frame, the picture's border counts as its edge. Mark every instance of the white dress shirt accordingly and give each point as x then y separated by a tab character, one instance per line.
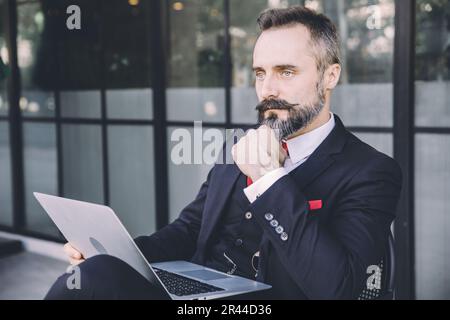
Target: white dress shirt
300	148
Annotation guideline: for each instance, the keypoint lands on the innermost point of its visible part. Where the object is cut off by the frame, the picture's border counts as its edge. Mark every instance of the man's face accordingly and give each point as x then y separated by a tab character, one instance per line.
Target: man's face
288	84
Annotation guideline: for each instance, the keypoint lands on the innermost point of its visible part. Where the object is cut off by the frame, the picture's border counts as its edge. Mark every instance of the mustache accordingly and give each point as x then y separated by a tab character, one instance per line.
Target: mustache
274	104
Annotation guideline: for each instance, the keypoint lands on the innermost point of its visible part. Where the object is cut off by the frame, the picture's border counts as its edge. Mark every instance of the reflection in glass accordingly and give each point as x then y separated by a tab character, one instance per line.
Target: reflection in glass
364	95
5	177
4	60
196	61
37	99
80	104
78	54
432	158
432	218
127	61
40	170
132	177
82	162
3	100
433	64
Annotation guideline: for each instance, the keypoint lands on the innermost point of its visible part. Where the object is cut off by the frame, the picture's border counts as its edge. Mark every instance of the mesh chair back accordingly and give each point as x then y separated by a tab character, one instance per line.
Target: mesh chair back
380	283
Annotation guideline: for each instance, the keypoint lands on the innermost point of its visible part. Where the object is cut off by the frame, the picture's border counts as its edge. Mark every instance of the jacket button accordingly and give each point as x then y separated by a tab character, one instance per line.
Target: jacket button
238	242
284	236
268	216
279	229
248	215
274	223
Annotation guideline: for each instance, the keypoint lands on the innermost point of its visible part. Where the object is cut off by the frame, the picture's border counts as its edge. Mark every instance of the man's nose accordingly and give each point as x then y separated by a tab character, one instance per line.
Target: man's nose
270	88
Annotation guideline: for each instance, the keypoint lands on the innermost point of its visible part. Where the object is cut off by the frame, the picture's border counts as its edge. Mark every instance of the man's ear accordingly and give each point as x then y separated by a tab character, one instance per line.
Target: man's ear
332	75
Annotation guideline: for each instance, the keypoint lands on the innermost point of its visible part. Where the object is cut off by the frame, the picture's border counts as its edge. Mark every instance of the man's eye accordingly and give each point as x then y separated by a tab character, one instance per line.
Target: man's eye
259	75
287	73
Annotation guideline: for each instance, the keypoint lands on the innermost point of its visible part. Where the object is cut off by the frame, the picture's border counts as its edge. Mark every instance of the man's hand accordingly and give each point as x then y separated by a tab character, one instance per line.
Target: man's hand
75	257
258	153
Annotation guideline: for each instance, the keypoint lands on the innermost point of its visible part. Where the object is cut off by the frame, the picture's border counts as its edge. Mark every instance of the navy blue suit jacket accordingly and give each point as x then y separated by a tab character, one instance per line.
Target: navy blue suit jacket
328	251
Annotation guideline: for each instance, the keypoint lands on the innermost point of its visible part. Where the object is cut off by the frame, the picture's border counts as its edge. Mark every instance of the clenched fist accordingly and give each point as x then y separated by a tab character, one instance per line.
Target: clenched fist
258	153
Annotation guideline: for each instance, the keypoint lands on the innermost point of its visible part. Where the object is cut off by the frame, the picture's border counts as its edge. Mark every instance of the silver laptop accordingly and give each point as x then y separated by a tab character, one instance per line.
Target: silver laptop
95	229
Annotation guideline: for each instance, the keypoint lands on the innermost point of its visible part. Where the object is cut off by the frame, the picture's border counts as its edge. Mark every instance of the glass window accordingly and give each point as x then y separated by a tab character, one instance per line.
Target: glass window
131	177
80	104
33	49
179	195
76	59
196	61
185	166
364	96
5	152
82	162
433	64
5	176
3	99
40	170
128	61
4	60
78	53
130	104
432	218
432	159
381	141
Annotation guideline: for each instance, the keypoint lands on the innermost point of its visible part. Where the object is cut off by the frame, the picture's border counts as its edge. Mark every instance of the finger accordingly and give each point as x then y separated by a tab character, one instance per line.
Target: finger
68	249
276	151
72	252
75	262
266	147
242	150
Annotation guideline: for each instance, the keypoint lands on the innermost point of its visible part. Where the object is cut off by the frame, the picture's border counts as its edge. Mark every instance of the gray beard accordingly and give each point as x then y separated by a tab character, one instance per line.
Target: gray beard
299	117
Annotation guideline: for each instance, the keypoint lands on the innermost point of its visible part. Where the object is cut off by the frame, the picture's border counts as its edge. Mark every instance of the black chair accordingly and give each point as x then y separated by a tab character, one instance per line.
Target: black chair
381	283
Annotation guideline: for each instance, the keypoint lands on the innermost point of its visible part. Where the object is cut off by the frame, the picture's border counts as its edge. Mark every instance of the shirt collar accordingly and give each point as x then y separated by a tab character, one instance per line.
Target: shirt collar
303	146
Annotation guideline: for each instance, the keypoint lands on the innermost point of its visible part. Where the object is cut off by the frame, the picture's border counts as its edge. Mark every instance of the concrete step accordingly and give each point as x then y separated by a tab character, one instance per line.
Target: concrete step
9	247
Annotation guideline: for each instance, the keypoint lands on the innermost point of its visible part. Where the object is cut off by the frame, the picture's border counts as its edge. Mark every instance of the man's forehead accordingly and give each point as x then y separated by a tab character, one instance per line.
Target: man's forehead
282	46
268	59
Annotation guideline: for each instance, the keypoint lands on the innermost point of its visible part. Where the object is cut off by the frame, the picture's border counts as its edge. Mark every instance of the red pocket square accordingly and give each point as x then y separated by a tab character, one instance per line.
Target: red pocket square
315	204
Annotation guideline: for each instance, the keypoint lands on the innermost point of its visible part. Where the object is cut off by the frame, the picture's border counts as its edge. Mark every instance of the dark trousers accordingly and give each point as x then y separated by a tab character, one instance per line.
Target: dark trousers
104	277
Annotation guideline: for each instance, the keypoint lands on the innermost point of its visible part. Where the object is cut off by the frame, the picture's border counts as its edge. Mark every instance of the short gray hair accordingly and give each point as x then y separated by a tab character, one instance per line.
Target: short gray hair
324	36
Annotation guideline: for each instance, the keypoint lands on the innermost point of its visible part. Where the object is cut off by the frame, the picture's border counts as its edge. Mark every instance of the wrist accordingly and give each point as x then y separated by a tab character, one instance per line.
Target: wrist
263	172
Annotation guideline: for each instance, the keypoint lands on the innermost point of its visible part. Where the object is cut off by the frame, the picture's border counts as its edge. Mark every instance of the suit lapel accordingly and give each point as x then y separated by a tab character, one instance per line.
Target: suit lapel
322	157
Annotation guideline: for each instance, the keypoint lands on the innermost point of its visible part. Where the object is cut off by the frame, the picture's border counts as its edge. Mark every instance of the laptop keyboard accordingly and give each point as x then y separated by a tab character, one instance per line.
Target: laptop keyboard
182	286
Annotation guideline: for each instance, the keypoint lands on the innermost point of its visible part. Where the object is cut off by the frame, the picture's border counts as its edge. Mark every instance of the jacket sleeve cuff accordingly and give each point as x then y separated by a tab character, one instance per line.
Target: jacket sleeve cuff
281	209
255	190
